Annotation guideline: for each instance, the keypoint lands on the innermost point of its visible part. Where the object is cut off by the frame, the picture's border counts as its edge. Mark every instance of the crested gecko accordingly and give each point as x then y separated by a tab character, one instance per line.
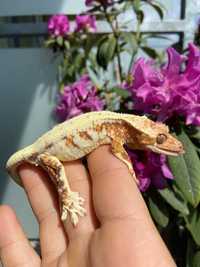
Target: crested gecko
77	137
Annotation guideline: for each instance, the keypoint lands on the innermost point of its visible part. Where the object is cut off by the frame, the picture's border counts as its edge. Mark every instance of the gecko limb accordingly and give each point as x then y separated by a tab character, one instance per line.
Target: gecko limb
119	151
70	202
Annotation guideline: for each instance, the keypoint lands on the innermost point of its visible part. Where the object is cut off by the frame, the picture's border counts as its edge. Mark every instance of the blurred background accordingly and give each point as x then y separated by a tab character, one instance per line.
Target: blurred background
28	81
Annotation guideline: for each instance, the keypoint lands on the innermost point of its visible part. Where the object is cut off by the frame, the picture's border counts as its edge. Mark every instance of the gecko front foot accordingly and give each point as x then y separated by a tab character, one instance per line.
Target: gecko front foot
71	203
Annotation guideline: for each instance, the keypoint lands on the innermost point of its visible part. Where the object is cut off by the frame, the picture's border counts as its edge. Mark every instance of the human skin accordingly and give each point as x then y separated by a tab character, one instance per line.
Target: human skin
117	231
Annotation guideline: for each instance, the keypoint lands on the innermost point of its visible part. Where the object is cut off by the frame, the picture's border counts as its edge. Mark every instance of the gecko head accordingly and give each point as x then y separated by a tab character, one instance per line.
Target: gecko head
155	136
166	144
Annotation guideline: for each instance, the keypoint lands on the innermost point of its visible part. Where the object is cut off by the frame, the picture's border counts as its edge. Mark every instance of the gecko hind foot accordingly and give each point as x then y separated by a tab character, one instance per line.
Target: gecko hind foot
72	204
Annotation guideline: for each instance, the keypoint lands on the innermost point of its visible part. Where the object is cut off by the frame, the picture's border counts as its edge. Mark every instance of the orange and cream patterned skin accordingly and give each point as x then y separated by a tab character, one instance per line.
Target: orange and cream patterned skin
76	138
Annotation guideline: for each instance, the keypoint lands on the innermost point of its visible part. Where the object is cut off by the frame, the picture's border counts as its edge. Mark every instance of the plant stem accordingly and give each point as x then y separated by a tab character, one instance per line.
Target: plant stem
118	52
115	32
138	35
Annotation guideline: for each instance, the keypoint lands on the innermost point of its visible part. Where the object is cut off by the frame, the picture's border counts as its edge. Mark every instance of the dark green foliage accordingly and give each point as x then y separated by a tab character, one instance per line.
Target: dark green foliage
106	50
180	225
158	209
186	169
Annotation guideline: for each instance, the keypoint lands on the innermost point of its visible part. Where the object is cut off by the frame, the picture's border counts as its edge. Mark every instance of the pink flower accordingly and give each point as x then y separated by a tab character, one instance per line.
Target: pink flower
58	25
89	2
103	2
170	90
85	23
150	169
78	98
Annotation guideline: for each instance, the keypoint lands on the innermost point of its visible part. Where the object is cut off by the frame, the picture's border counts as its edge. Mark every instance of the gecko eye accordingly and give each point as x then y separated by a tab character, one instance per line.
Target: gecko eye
161	138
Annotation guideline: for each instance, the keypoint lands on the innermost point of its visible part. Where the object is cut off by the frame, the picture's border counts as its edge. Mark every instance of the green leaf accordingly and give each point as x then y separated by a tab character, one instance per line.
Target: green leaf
154	35
196	260
49	42
106	50
191	246
130	39
192	255
186	169
79	60
158	10
67	44
158	3
174	200
112	44
127	6
194	132
136	5
140	16
121	92
158	210
193	225
59	40
197	149
102	59
149	51
61	87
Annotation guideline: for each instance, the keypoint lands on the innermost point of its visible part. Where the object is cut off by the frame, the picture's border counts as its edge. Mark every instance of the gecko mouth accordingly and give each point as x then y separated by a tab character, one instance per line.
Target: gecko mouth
165	151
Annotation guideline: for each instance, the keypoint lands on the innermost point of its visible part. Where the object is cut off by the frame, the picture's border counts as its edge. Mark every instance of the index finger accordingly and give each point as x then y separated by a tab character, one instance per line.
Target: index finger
126	225
115	193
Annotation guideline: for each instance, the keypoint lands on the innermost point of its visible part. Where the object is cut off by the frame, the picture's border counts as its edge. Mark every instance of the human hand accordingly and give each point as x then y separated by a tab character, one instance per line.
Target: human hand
117	231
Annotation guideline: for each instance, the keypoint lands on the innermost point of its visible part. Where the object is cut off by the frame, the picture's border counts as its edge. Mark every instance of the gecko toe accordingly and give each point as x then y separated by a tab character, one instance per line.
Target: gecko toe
72	205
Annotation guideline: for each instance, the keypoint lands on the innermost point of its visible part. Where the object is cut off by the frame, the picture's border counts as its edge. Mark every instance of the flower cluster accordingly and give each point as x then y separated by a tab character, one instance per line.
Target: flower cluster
85	23
59	25
170	90
78	98
150	169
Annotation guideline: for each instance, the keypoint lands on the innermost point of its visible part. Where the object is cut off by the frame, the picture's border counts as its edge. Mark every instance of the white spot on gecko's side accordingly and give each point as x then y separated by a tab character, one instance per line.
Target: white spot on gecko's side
80	142
93	134
102	133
